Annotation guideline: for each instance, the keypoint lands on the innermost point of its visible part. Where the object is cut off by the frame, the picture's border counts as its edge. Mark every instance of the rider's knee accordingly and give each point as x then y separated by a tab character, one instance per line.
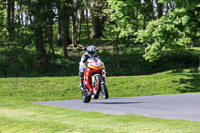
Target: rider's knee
81	73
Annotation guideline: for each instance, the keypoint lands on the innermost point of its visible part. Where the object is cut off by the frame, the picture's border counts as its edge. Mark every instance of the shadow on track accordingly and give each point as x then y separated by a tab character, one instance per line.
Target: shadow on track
116	102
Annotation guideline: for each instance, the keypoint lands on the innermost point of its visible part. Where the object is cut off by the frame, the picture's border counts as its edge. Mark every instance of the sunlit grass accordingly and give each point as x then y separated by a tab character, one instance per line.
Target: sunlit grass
23	117
60	88
18	114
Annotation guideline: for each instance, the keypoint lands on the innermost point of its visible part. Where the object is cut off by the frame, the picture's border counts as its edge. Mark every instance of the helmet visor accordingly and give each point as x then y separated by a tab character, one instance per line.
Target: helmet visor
91	52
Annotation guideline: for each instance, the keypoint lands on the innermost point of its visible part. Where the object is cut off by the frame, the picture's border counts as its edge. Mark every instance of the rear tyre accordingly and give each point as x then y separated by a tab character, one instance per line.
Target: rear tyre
85	97
97	86
104	91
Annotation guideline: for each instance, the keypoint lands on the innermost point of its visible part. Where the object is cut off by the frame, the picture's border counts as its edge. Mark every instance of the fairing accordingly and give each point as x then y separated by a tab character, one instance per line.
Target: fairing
95	66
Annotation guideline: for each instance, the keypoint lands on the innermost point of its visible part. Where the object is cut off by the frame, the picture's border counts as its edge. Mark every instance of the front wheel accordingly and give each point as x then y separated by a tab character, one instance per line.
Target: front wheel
97	86
104	91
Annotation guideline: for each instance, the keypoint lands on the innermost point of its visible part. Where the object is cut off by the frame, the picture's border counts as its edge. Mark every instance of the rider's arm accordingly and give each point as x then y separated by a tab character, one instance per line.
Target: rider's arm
96	55
84	58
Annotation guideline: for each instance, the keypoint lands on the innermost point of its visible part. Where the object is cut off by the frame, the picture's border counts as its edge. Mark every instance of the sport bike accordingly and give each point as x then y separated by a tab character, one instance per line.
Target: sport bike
94	80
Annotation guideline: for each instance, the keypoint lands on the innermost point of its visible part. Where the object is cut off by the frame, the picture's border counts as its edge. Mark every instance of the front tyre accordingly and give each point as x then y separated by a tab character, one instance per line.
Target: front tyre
104	91
97	86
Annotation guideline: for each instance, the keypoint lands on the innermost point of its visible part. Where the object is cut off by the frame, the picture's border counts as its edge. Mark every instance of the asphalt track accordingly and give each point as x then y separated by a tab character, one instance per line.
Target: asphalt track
184	106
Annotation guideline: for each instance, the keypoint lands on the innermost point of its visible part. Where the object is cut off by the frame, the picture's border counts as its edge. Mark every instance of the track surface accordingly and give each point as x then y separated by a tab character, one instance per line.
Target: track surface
185	106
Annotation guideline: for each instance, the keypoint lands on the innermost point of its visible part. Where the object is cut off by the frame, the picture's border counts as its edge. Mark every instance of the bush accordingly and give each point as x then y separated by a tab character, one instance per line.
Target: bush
18	62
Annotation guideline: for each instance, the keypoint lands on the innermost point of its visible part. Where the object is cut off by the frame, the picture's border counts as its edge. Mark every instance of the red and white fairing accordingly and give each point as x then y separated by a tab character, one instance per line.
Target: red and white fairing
95	66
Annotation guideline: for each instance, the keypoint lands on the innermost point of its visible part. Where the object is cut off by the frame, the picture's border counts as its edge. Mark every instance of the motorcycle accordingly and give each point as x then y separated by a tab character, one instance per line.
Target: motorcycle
94	80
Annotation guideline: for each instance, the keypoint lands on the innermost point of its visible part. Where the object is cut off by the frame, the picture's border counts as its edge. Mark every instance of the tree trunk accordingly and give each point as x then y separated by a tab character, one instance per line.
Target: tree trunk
96	26
87	21
63	13
150	14
41	61
21	14
80	24
39	45
116	50
103	21
10	18
50	37
74	37
38	30
59	34
63	36
159	10
12	11
18	17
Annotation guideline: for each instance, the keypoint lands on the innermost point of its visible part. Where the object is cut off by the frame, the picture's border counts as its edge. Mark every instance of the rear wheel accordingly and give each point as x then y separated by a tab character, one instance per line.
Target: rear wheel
97	86
104	91
85	97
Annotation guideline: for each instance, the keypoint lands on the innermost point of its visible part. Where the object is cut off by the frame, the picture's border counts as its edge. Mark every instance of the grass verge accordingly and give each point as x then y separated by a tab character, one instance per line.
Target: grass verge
23	117
18	114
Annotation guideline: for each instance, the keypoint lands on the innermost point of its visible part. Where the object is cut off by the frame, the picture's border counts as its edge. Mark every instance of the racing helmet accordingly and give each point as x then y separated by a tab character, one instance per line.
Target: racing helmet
91	50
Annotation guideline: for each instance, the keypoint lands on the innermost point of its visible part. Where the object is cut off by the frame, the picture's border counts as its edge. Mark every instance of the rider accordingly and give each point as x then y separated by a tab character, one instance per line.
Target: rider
90	52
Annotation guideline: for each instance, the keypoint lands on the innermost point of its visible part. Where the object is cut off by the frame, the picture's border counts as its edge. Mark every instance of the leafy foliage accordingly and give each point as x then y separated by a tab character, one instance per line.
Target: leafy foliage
35	28
178	29
2	22
121	12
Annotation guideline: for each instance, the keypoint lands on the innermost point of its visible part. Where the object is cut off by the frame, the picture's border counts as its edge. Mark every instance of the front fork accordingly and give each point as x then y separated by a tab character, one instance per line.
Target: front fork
103	79
93	79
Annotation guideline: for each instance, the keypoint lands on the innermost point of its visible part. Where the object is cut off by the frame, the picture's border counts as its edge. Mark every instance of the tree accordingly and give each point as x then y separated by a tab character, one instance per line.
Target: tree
10	18
148	10
178	29
2	22
74	9
97	15
159	9
62	8
64	11
86	6
49	25
36	10
126	15
41	16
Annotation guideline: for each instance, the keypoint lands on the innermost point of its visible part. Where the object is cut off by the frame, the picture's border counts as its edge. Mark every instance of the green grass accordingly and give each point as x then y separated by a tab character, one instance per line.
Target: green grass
169	82
58	88
25	117
18	114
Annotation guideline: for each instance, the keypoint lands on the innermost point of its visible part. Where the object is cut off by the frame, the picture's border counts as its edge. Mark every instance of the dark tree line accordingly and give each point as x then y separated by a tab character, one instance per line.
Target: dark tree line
35	22
37	19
